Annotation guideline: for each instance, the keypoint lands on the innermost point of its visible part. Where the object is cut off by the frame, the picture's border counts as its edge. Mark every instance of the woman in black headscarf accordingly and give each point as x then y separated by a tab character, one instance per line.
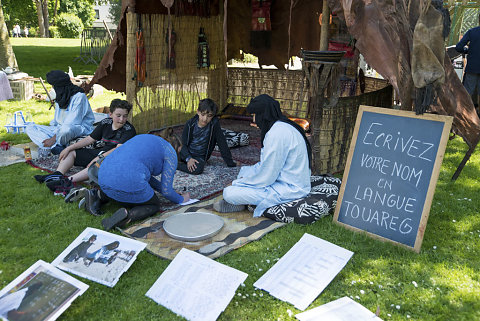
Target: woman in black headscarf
63	86
73	115
283	173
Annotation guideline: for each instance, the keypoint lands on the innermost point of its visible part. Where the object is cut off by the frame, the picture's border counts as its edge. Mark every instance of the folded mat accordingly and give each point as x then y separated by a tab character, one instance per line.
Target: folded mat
240	228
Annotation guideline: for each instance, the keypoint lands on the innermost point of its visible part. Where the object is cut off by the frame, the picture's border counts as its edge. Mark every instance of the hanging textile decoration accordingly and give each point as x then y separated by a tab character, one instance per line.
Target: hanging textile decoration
203	54
140	58
261	34
170	37
171	64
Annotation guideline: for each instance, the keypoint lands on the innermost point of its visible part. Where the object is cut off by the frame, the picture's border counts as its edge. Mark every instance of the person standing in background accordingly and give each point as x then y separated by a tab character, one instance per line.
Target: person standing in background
470	45
16	30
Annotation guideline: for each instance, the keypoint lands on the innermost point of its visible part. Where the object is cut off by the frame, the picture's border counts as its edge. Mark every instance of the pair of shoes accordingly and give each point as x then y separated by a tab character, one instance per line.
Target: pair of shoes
92	202
75	194
49	177
115	220
224	207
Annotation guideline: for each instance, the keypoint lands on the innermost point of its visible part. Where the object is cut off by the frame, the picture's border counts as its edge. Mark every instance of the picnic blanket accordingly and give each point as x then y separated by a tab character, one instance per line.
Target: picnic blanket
240	228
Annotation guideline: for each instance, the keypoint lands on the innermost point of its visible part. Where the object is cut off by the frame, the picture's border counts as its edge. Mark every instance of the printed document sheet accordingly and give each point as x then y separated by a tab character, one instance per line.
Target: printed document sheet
343	309
304	271
196	287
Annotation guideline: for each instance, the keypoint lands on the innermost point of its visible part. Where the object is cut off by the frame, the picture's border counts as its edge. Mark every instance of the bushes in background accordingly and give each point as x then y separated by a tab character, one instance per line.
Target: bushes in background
54	32
69	25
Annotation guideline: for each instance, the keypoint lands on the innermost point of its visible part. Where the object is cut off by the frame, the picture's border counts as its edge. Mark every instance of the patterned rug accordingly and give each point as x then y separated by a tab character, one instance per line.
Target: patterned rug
240	228
215	177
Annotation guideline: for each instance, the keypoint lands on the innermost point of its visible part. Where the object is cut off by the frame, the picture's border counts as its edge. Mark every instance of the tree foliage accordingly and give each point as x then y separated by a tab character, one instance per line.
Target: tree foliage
81	8
24	12
115	10
69	25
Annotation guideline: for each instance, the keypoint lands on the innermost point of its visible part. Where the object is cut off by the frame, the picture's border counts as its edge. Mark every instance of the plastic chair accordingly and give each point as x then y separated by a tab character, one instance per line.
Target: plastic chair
17	122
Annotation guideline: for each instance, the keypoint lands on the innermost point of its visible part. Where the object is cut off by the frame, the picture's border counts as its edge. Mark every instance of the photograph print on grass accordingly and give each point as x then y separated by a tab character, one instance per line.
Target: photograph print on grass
42	292
99	256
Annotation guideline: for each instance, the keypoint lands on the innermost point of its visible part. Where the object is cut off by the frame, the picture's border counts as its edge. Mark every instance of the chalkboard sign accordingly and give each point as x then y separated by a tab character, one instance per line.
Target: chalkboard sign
391	174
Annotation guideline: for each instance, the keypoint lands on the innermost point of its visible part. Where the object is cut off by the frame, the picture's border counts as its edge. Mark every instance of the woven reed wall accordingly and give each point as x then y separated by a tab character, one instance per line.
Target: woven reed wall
288	87
171	96
336	128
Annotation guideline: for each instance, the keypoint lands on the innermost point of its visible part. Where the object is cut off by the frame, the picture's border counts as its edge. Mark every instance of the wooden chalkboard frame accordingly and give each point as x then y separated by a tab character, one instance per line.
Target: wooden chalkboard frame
447	120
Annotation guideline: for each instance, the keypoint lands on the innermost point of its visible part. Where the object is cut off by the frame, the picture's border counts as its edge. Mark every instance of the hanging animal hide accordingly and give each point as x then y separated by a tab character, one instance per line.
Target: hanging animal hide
384	34
427	58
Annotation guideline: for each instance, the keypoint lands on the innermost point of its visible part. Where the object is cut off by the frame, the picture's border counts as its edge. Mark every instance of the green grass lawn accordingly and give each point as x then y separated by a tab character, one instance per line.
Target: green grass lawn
442	282
37	56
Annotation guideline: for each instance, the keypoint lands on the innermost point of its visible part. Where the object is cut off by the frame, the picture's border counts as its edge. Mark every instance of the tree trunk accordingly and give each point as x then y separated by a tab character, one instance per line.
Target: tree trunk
41	25
7	56
45	17
55	12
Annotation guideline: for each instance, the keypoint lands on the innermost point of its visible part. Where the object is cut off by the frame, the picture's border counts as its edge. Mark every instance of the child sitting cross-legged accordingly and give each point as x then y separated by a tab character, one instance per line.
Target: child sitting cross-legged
200	135
111	133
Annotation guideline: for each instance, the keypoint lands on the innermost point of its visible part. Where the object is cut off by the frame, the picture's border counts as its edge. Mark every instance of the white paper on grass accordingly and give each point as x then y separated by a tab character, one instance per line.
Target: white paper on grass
50	300
196	287
304	271
100	264
343	309
190	201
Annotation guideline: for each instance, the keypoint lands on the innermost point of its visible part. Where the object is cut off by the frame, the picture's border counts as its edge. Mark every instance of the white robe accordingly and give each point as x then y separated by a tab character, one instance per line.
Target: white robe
282	175
67	124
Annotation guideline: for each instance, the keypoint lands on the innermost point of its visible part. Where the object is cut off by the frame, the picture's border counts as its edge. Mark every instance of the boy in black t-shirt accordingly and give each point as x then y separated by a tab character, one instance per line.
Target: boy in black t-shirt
108	135
200	135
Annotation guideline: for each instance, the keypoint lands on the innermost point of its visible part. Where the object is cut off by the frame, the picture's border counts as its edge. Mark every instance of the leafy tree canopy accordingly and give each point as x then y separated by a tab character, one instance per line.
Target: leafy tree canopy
115	10
81	8
24	12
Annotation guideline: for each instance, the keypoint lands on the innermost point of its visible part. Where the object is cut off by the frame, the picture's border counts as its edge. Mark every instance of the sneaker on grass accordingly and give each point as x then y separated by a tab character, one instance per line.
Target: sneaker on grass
49	177
93	202
54	184
63	187
75	194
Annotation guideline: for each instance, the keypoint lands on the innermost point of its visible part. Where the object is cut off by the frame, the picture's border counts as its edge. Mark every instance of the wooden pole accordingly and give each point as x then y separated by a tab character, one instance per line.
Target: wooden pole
324	26
108	30
52	103
462	164
130	61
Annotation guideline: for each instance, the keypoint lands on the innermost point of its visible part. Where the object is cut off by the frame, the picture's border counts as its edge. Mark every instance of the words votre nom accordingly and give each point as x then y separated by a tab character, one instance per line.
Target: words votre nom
410	146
